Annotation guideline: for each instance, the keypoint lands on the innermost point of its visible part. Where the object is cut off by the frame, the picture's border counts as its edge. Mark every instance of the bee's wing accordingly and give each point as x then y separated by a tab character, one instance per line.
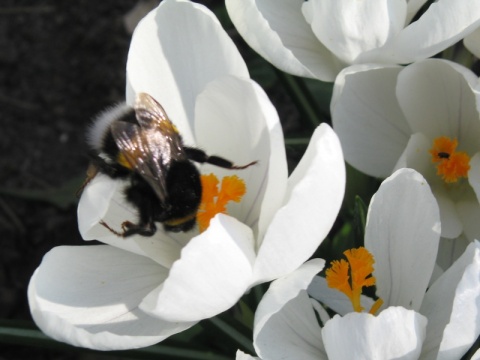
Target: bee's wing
150	113
142	150
162	136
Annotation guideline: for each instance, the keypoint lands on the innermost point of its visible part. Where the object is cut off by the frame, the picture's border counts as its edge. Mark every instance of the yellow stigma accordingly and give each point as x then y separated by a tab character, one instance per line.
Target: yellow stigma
351	275
451	164
215	199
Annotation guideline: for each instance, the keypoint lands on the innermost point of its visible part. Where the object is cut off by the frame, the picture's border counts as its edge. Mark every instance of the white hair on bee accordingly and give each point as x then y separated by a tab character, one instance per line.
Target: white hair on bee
97	130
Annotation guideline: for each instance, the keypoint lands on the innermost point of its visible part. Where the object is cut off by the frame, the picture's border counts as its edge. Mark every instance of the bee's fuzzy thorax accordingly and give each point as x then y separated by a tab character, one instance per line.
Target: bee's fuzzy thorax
98	129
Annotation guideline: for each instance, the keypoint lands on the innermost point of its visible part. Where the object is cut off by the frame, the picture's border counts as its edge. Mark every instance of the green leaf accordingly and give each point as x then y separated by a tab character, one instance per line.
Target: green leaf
321	92
359	221
262	72
332	247
343	240
19	333
307	104
246	316
300	141
358	184
243	342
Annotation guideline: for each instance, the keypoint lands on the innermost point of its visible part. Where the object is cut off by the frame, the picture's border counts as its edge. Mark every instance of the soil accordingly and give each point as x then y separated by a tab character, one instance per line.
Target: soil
61	62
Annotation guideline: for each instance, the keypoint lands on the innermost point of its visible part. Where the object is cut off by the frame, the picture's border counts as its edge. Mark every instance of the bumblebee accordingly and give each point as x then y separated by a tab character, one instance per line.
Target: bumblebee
142	146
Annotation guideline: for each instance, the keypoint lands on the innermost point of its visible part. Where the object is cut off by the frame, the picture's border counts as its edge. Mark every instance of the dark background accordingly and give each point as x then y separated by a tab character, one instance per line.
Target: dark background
61	62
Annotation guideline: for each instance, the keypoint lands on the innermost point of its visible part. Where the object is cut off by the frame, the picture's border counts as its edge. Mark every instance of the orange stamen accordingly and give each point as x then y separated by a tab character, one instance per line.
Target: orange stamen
215	200
337	277
359	265
376	305
451	164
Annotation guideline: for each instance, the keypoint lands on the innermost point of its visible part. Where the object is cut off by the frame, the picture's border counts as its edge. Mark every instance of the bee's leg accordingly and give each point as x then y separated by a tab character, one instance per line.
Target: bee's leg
98	164
145	204
149	207
129	229
113	231
200	156
92	171
143	229
113	170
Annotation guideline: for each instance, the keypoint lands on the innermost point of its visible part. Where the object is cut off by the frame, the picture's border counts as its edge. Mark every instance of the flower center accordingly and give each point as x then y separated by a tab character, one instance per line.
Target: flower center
451	164
351	275
215	199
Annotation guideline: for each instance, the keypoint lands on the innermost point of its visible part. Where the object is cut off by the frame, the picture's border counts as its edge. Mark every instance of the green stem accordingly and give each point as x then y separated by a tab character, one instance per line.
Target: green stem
234	334
297	141
303	98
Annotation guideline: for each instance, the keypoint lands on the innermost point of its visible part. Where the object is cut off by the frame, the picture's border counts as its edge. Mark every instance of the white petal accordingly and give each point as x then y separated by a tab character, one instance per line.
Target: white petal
474	175
453	309
176	50
366	116
88	296
437	99
472	42
451	223
476	356
437	271
416	156
104	199
285	322
450	250
320	312
436	30
402	233
349	29
236	120
312	201
213	272
240	355
334	299
412	8
98	199
396	333
468	210
277	30
285	289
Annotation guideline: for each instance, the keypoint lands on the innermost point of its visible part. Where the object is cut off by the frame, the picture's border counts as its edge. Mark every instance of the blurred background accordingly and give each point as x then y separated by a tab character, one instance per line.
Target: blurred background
60	63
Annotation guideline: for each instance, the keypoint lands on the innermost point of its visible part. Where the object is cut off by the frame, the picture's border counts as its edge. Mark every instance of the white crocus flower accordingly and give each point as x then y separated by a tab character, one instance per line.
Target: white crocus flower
402	233
317	38
137	291
424	116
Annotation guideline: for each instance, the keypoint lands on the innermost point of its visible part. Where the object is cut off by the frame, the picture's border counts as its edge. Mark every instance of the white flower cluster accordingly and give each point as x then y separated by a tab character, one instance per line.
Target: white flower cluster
418	125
